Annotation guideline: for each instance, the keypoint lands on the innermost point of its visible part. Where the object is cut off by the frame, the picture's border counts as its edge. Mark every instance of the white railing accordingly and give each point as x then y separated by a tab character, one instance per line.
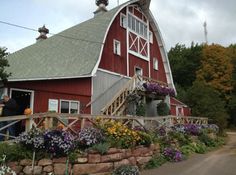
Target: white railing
74	122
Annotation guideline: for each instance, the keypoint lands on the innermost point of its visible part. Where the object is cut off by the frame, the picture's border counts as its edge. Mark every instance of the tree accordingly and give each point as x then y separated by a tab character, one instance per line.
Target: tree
206	102
232	102
184	63
216	69
3	64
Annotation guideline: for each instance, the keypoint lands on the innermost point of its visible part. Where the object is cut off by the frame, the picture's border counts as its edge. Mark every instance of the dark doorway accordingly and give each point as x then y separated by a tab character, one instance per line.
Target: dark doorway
22	99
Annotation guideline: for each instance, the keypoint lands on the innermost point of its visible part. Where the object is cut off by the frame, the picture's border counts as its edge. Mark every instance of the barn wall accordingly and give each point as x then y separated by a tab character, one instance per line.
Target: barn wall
105	87
137	62
118	64
110	61
155	53
187	111
71	89
173	110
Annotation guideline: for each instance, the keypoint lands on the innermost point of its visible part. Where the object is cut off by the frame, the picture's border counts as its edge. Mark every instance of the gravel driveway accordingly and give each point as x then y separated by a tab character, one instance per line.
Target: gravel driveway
220	162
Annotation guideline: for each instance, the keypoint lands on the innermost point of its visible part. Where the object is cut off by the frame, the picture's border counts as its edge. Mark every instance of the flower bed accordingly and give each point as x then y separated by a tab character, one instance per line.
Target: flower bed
106	146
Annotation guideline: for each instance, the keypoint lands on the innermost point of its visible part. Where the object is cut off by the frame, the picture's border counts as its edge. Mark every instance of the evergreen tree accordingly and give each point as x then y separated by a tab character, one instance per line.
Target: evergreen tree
206	102
3	63
184	63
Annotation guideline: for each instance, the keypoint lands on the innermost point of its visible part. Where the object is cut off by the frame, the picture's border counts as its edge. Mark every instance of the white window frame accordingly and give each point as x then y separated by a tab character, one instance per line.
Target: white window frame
70	105
134	24
116	47
31	96
155	64
123	20
141	70
151	37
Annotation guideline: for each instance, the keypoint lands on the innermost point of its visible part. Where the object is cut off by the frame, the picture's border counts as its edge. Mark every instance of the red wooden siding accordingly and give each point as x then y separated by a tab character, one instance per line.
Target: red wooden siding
173	110
110	61
138	13
137	62
178	104
118	64
69	89
187	111
41	101
155	53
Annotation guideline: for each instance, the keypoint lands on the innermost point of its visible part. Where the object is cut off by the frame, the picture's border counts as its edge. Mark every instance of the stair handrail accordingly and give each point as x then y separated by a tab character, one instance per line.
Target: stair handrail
129	84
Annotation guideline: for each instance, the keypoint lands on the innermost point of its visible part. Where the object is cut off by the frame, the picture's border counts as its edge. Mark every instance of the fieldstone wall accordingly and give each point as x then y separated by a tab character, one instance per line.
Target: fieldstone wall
91	163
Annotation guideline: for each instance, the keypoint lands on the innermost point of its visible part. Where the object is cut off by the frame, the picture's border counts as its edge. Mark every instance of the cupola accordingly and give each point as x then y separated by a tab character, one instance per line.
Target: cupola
101	6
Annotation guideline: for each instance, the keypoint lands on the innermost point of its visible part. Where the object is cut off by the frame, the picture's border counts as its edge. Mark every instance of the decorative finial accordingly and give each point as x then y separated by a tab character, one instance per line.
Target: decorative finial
43	33
99	2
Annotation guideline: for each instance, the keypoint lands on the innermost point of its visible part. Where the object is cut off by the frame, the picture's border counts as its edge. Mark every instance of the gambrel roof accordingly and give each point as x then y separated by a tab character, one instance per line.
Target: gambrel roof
75	52
69	54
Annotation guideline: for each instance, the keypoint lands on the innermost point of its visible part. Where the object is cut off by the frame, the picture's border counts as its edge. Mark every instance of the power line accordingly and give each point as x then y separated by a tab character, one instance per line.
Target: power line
34	30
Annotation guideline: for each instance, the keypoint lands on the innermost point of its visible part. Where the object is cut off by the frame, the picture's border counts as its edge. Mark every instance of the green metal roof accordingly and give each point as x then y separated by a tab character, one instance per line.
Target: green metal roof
71	56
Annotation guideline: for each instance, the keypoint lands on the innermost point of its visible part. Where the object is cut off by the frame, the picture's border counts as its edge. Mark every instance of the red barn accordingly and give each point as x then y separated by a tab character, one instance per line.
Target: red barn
178	108
82	68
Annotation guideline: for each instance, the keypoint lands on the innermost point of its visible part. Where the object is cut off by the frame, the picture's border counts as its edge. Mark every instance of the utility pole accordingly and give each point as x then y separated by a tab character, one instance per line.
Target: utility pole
118	2
205	32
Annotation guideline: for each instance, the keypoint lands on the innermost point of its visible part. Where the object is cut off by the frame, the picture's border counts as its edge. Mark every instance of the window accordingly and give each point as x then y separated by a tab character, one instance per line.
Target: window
129	21
69	107
155	64
133	23
117	47
137	26
138	71
123	21
150	37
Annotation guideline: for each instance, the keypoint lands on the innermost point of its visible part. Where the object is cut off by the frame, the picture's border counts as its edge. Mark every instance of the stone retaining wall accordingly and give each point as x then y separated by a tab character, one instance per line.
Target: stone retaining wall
91	163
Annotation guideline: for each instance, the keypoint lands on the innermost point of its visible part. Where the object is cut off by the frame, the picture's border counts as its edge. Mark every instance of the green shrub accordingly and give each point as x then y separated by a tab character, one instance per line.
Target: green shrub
187	150
156	162
102	148
126	170
15	152
163	109
146	139
200	148
209	142
183	139
141	110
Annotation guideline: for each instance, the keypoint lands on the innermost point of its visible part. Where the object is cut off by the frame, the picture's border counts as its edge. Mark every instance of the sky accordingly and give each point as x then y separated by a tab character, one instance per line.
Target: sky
179	21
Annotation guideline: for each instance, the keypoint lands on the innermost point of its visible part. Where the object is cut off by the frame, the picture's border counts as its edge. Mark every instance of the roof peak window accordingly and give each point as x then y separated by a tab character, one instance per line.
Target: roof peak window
137	26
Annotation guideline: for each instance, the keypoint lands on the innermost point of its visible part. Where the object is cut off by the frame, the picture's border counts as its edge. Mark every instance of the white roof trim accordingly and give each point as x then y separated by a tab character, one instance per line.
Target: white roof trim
162	49
51	78
105	36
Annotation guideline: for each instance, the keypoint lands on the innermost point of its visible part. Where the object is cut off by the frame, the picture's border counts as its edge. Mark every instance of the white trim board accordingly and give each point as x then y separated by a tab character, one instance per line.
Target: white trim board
31	96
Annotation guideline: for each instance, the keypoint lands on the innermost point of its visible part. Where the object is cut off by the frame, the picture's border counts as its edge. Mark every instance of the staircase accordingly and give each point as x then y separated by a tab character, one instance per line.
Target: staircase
117	107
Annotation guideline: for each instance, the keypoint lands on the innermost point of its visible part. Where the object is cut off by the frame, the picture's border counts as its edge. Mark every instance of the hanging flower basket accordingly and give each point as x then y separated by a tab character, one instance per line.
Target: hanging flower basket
158	89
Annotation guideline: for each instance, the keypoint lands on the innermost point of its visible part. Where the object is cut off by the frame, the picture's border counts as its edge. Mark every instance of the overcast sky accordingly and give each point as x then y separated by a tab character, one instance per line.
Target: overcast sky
180	21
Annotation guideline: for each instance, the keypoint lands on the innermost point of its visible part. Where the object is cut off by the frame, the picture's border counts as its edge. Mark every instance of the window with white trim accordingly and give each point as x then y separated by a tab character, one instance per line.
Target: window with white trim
138	70
155	64
150	37
69	107
116	47
136	25
123	20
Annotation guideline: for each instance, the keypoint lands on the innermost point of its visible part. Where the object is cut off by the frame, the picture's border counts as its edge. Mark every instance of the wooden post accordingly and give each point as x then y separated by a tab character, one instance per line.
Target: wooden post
48	122
82	123
28	124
